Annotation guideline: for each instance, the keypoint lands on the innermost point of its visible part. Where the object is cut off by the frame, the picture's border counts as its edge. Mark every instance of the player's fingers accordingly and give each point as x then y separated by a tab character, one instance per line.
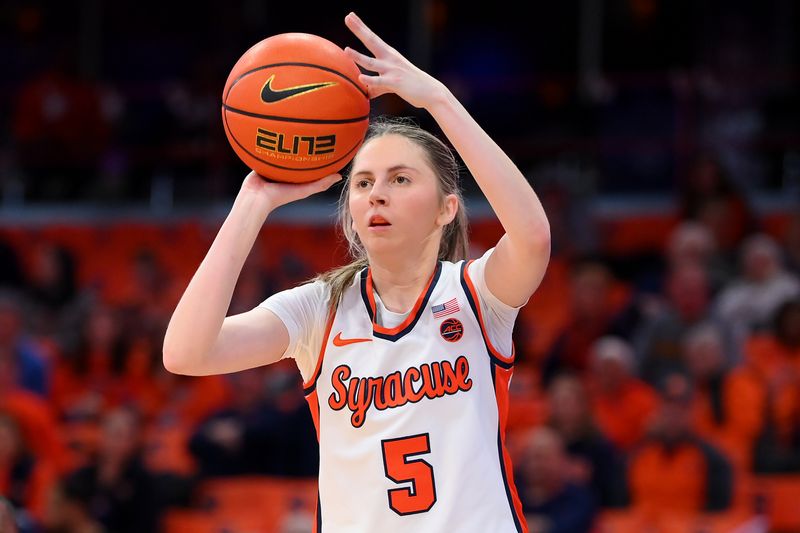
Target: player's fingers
376	85
327	181
319	185
370	63
374	44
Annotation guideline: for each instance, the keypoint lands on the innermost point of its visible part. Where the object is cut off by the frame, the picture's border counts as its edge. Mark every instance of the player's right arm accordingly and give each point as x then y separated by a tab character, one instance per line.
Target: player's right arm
200	340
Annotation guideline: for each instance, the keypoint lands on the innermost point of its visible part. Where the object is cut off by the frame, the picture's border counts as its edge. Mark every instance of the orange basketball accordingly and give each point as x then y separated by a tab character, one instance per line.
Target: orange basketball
293	108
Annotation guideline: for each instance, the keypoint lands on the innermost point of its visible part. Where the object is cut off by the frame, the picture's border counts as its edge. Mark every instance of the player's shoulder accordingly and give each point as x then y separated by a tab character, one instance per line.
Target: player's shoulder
476	260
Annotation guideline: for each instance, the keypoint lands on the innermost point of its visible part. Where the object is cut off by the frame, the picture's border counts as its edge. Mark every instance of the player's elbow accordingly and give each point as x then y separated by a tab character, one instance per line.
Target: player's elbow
177	360
538	239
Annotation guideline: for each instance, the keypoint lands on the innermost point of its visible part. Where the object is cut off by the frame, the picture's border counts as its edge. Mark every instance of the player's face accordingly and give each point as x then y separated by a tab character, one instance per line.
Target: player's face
394	196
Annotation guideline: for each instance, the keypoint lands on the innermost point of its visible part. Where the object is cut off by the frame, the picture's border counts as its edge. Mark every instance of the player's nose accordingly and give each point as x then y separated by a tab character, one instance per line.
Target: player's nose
378	195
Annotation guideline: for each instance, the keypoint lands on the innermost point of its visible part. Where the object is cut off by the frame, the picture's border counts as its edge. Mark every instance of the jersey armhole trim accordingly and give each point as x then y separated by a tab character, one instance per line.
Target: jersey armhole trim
311	384
472	296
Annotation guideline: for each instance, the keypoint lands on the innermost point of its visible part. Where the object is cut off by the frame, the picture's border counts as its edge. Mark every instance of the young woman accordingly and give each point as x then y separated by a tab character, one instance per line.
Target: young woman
406	353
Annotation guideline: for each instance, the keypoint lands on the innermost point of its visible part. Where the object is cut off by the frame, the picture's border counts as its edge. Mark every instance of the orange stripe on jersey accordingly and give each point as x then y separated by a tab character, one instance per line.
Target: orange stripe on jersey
502	379
313	405
411	316
484	331
312	379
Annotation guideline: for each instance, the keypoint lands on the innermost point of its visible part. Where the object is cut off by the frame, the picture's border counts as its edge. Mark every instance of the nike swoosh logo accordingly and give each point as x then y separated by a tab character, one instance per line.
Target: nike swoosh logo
339	341
270	95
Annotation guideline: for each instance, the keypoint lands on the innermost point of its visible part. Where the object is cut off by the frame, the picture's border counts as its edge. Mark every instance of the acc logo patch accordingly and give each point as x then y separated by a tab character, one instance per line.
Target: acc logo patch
451	330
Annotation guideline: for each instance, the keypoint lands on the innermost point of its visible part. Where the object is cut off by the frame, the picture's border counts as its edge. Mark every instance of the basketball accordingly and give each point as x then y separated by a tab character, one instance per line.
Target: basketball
293	109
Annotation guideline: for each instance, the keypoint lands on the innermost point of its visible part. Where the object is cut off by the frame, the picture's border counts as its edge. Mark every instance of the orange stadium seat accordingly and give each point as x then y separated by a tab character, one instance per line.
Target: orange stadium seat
626	521
246	504
637	233
180	521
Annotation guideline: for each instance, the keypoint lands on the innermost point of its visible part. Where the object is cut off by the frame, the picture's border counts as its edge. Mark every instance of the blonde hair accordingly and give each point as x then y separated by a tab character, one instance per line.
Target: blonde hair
454	242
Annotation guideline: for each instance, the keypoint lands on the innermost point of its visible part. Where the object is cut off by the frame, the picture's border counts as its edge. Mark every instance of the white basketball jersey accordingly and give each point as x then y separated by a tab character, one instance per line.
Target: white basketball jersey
411	419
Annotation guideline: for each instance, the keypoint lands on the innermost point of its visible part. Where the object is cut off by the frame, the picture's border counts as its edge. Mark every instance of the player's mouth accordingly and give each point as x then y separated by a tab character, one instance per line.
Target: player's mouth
377	221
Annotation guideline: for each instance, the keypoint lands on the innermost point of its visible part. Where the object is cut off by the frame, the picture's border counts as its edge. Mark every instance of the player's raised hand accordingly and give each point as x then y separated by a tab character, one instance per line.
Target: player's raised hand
394	73
277	194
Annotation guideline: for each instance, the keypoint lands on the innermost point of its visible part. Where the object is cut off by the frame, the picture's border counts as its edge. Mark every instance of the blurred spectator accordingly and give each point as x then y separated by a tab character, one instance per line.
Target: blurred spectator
775	358
149	297
185	400
749	303
25	359
658	339
120	490
266	429
68	508
728	404
592	459
51	287
622	404
24	479
692	242
590	318
88	379
57	119
35	417
551	500
237	439
674	472
709	196
251	286
294	436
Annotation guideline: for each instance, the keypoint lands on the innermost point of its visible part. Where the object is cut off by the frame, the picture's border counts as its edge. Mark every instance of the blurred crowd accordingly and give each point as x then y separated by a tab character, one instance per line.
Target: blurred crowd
120	102
657	377
667	381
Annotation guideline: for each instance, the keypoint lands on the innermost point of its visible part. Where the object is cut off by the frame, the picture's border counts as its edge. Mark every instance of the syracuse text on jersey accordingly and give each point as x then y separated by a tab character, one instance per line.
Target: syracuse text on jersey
433	380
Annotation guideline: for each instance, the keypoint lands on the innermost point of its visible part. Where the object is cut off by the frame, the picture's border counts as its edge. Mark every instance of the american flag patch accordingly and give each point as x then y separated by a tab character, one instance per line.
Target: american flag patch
447	308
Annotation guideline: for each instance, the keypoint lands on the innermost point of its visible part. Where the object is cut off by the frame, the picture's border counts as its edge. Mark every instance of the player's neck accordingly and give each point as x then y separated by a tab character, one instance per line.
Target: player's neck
399	282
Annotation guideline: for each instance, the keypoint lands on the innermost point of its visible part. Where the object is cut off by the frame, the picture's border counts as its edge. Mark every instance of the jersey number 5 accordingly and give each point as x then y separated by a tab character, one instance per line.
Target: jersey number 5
421	496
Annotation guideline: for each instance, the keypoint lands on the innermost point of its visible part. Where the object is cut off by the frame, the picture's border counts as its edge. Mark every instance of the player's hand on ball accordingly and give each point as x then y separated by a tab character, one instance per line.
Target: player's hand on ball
278	194
394	73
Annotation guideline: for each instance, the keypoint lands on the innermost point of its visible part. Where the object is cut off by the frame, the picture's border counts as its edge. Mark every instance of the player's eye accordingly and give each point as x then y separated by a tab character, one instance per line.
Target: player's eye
362	184
402	179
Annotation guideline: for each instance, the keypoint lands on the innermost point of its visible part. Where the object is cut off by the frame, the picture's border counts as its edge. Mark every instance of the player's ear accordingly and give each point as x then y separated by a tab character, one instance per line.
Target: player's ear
448	211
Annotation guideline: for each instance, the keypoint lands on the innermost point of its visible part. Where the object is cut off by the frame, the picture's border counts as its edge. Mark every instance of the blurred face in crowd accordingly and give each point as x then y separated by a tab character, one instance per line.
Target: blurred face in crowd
691	242
760	258
47	269
591	286
675	415
121	435
703	352
612	361
544	460
610	374
101	328
569	411
687	289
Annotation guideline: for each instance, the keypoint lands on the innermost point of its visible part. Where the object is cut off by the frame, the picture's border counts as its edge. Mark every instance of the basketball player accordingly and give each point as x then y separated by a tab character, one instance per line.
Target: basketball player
406	353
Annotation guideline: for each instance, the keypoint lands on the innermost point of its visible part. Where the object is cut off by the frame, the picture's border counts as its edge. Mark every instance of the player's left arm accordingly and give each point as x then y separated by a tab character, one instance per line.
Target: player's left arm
516	267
